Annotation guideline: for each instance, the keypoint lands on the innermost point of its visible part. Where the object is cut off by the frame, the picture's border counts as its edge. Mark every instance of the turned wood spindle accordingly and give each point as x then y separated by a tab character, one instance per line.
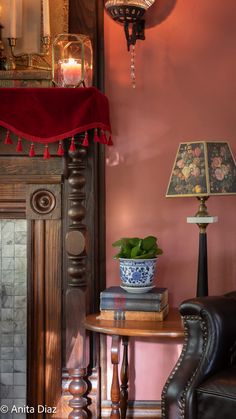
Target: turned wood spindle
75	237
77	389
115	386
124	378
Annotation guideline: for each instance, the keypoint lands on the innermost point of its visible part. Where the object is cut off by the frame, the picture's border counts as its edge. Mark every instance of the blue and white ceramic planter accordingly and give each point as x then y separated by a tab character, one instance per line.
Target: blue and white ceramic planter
137	272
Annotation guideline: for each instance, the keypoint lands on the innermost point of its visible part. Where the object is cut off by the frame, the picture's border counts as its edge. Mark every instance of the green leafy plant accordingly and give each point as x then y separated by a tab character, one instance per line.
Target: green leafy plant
137	248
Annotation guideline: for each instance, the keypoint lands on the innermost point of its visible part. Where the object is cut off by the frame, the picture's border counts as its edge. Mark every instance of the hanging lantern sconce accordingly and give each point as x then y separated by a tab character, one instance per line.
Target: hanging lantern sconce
130	13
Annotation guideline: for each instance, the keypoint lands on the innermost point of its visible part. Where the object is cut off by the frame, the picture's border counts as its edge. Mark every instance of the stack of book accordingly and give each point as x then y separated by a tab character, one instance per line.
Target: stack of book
118	304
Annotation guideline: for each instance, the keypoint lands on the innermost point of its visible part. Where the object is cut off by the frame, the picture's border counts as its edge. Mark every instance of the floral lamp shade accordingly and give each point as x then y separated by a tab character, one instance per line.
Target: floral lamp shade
203	169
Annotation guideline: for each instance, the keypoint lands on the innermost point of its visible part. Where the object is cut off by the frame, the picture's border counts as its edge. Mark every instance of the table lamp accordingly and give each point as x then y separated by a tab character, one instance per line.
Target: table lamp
202	169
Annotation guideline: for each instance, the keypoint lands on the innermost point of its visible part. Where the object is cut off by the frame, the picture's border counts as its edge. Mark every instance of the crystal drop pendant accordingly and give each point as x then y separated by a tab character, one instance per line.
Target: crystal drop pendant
132	66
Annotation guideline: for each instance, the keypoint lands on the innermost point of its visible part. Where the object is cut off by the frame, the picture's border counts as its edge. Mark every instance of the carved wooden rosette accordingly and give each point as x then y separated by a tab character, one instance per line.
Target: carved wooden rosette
43	202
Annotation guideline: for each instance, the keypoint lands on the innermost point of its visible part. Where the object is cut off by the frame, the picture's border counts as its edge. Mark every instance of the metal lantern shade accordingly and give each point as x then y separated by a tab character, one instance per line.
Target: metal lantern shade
72	60
127	9
130	13
145	4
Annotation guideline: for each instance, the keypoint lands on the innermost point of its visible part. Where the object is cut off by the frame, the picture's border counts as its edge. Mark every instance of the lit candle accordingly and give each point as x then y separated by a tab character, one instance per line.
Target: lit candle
12	29
71	72
19	12
46	18
14	9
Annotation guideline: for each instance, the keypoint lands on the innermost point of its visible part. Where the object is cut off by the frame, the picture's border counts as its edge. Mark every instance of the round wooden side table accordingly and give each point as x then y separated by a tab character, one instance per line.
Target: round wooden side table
169	329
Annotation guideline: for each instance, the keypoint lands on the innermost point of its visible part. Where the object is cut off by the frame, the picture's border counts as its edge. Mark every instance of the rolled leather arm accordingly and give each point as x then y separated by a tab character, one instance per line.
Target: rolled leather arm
210	330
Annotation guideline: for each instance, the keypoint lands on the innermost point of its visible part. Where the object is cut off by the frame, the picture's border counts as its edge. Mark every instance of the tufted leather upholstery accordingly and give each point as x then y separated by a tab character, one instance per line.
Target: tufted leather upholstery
203	382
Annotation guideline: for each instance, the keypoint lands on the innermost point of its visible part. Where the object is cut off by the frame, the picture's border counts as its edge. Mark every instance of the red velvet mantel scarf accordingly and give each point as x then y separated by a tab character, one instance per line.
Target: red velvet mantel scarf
46	115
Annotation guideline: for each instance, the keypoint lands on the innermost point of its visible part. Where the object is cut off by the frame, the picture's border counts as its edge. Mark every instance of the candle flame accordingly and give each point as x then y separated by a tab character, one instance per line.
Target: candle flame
72	61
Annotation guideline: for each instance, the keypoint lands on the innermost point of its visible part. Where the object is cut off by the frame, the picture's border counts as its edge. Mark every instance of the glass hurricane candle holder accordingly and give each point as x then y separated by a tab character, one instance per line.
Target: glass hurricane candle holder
72	61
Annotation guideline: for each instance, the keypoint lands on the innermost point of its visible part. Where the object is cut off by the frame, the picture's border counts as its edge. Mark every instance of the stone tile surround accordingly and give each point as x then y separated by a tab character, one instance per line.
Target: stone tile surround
13	315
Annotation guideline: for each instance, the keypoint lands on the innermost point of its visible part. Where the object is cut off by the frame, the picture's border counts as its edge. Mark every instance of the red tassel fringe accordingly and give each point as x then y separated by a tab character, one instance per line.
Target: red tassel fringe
19	147
103	138
32	152
46	154
96	138
110	142
60	151
85	142
72	148
8	139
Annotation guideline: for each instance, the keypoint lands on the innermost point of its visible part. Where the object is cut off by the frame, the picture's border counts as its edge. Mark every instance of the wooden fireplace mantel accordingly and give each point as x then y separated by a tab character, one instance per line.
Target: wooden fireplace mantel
62	271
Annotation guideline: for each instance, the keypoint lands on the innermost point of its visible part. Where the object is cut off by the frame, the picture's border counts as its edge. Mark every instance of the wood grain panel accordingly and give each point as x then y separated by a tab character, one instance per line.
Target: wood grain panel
11	213
30	166
12	200
44	311
82	16
32	179
75	331
12	192
136	409
36	314
86	16
53	312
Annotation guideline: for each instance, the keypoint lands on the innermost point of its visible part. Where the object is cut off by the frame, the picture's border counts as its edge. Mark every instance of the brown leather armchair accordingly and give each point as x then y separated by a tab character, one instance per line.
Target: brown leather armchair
203	383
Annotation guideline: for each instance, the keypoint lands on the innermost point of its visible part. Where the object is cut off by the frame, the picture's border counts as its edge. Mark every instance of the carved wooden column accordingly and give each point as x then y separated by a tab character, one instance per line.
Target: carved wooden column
75	237
75	245
86	17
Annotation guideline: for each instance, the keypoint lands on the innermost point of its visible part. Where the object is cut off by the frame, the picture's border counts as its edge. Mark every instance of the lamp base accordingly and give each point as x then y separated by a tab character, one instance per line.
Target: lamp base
202	209
202	219
202	276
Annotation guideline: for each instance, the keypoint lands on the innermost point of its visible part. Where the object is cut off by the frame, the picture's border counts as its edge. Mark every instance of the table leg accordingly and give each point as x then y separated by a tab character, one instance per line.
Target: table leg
115	386
124	378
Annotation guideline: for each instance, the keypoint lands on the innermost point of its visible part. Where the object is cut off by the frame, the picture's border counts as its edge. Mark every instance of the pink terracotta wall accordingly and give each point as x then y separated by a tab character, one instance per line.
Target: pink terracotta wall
186	90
